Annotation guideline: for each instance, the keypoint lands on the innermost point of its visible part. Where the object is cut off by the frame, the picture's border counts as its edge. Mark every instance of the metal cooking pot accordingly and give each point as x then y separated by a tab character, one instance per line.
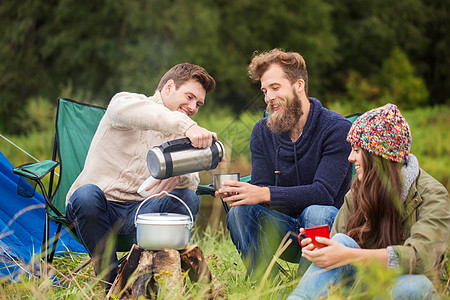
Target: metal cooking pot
156	231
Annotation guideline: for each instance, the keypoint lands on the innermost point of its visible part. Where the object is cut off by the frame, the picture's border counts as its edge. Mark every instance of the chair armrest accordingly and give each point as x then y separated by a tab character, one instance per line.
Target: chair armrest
36	171
245	178
205	189
208	189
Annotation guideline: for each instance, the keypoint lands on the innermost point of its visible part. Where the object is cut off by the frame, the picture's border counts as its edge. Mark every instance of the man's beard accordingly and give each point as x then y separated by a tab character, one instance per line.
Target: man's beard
287	118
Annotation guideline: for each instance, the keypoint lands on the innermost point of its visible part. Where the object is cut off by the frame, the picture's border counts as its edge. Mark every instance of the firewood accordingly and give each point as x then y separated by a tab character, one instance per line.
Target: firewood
167	268
193	262
126	269
149	270
142	286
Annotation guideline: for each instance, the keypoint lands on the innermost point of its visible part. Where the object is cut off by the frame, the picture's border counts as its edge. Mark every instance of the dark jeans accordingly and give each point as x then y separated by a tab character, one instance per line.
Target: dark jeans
97	220
316	281
257	232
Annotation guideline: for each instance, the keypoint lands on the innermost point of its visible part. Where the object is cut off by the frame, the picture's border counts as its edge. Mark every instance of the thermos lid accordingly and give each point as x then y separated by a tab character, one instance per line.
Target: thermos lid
156	163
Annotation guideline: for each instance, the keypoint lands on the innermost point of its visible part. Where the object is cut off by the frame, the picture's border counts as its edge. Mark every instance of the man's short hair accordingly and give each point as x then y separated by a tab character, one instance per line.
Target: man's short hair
292	63
184	72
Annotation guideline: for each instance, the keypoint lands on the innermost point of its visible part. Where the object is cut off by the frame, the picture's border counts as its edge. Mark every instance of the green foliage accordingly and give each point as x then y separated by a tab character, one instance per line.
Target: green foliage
395	83
245	28
38	145
38	115
399	83
106	47
362	94
369	31
47	46
150	45
232	130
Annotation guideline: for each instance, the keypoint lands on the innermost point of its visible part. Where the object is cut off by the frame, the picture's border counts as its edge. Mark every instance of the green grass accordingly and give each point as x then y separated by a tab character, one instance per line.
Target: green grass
220	253
223	261
431	140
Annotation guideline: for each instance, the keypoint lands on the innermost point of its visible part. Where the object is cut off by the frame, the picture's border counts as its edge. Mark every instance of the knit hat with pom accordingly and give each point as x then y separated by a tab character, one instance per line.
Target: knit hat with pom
384	132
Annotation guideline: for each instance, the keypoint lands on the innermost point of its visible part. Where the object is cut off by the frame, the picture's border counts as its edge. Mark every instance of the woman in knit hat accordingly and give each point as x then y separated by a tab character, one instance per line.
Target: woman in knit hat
395	213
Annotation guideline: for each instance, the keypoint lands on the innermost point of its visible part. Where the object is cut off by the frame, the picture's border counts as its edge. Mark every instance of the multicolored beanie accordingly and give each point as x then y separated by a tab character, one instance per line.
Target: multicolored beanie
383	132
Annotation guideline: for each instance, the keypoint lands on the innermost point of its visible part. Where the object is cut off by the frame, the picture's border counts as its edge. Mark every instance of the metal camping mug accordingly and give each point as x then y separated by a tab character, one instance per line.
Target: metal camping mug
179	157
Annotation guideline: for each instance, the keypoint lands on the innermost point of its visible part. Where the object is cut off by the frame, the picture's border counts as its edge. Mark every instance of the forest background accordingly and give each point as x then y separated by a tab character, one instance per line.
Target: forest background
360	55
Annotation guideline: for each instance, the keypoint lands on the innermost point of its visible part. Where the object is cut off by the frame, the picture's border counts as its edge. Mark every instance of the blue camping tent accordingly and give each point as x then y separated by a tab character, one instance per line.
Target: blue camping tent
22	225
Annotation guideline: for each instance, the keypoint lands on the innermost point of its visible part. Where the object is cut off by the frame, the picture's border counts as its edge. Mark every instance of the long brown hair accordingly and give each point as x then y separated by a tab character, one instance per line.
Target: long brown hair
376	219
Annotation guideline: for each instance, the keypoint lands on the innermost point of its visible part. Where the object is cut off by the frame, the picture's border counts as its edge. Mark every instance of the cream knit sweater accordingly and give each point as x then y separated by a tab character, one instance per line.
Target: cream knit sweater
116	161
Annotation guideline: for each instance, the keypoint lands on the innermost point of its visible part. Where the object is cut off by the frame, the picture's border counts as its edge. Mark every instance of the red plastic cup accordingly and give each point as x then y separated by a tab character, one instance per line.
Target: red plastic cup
312	232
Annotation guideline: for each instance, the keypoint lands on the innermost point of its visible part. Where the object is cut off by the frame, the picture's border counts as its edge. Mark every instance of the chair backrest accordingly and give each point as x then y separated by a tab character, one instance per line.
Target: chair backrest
76	124
352	118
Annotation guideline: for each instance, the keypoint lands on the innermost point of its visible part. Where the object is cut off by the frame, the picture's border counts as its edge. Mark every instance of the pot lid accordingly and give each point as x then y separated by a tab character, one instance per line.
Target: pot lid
163	218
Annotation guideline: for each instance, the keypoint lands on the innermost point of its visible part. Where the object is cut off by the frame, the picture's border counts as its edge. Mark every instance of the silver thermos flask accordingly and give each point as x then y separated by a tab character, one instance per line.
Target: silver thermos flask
179	157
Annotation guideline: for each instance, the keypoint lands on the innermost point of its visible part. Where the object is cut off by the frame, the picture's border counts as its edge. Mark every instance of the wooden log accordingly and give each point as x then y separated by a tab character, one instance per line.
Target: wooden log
154	269
142	284
126	269
193	262
167	267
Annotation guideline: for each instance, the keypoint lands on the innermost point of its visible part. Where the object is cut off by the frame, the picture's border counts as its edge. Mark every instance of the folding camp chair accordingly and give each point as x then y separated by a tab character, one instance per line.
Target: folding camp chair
76	124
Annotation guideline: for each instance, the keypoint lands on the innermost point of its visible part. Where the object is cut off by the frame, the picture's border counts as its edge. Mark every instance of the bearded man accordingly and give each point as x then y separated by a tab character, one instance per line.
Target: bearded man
300	171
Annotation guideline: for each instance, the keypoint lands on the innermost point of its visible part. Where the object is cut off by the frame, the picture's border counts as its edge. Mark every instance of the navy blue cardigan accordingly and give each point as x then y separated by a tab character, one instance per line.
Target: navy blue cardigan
312	170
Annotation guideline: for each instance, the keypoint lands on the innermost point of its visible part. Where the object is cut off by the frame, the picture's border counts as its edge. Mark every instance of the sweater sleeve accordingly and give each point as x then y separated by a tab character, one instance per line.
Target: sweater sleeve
331	176
129	110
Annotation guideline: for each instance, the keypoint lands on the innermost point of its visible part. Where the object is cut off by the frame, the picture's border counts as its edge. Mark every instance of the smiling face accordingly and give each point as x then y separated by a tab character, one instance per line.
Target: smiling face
356	157
186	99
282	99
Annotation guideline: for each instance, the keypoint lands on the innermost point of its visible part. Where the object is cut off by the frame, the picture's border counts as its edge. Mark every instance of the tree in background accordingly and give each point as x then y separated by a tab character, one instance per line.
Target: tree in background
400	83
47	45
97	48
22	74
395	82
368	31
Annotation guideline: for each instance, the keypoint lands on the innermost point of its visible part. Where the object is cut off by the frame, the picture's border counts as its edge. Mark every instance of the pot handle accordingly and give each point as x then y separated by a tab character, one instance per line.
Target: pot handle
167	194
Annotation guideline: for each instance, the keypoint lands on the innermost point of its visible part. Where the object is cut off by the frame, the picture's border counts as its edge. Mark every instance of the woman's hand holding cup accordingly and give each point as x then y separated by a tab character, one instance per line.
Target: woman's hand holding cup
307	236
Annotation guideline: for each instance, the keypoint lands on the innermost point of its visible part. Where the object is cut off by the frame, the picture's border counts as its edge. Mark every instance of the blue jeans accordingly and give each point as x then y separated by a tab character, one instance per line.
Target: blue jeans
97	220
257	232
315	281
